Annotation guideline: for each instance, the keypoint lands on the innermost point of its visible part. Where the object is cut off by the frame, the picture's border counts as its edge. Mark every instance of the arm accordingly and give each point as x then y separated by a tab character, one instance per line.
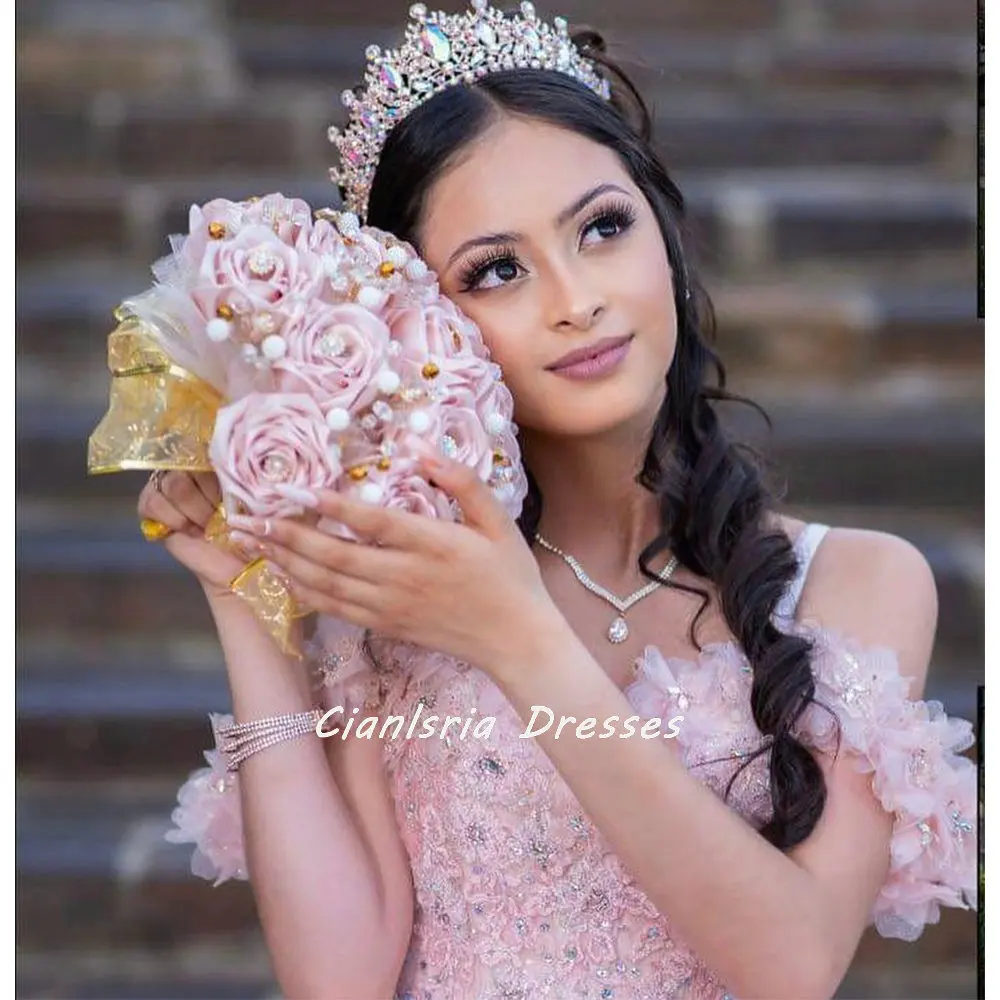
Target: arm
317	831
328	870
769	924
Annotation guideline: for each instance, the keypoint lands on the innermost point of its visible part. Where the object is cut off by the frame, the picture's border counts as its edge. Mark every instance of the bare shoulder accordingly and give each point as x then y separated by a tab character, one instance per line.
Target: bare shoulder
876	588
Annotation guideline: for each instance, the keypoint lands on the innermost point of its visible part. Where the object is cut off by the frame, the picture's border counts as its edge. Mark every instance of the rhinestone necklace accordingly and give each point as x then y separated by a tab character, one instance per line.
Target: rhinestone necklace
618	630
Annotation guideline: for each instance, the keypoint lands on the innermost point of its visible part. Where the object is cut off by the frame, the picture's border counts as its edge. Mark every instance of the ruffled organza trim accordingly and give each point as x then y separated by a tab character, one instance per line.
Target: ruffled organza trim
911	748
208	815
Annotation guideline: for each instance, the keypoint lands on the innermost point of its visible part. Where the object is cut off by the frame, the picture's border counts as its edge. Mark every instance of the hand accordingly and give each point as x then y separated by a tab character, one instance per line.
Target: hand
185	502
461	589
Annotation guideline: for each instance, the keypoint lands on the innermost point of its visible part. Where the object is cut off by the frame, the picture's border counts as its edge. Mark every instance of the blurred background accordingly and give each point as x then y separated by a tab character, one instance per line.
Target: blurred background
828	151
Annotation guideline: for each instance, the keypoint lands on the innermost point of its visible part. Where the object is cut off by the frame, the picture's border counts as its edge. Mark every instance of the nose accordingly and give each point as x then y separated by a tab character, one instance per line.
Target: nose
575	300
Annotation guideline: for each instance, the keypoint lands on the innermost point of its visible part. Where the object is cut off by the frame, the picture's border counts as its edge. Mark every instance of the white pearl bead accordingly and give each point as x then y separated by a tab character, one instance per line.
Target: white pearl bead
419	422
387	381
274	347
218	330
397	256
416	269
249	352
338	419
496	423
371	493
369	298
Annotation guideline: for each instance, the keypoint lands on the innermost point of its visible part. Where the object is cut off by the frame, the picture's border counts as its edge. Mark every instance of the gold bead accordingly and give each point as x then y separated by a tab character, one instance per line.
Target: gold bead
358	473
253	199
216	230
386	269
499	458
430	370
225	312
383	465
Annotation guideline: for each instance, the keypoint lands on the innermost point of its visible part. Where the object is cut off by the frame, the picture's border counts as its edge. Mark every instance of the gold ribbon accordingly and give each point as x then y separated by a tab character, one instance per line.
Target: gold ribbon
161	416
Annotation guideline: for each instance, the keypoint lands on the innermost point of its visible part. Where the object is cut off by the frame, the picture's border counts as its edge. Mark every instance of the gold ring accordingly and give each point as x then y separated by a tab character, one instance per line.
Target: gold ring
153	531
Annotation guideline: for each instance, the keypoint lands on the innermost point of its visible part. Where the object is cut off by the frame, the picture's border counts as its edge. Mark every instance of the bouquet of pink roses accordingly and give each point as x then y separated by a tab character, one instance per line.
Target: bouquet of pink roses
282	347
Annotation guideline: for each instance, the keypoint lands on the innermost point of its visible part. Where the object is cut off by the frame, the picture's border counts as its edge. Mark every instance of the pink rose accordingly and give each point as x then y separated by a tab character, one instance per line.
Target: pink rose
269	438
435	329
257	270
463	437
334	352
401	487
221	216
288	218
220	220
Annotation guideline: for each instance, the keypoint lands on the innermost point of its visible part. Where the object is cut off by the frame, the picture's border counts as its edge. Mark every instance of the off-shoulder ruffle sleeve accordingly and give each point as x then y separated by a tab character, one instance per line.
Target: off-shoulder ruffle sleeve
208	812
911	748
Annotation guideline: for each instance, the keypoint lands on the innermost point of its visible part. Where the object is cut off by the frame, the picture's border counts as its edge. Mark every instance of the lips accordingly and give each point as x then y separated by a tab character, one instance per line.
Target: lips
586	353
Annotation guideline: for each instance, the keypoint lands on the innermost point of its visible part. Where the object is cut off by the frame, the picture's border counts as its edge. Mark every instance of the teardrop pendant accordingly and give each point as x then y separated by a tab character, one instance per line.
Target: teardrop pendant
618	632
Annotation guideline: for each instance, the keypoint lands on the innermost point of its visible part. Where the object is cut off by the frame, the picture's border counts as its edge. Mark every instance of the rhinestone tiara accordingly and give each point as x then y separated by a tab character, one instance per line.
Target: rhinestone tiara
440	51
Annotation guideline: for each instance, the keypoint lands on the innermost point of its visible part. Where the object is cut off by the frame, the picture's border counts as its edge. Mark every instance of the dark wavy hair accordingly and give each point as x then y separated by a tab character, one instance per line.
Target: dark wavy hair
713	501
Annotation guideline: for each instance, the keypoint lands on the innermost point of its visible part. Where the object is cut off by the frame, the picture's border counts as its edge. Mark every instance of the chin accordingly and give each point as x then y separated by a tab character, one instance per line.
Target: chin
589	410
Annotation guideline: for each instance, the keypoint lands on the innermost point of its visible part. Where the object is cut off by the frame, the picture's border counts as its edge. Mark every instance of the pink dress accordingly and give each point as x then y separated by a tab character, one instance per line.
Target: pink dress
517	894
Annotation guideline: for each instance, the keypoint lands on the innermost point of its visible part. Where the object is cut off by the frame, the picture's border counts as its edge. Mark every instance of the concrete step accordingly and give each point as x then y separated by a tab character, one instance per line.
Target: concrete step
145	718
889	16
913	980
737	59
224	969
93	870
731	15
743	223
266	131
71	51
899	17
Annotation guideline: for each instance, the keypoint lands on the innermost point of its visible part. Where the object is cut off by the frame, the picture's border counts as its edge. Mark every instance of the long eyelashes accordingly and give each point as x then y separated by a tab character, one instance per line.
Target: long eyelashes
478	267
620	215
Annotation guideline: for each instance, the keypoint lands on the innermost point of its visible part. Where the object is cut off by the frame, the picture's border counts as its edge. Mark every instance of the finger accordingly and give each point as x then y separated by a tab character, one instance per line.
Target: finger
157	507
182	491
305	544
388	528
208	484
480	508
355	614
335	585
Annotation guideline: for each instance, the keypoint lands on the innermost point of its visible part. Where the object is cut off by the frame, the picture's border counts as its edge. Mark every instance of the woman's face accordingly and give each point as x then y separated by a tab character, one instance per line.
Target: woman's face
541	237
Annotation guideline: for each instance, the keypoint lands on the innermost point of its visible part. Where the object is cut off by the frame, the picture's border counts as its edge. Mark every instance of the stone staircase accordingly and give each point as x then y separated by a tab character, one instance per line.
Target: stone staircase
828	151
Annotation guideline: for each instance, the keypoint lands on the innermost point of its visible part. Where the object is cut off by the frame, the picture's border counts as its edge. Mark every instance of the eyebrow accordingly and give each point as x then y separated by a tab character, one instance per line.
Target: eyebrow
501	239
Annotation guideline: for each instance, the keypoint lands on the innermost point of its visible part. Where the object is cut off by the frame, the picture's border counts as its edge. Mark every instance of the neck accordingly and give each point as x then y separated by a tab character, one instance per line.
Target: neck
593	507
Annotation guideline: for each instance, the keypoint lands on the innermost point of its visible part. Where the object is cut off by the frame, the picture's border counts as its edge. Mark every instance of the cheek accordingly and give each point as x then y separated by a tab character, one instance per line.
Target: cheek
506	332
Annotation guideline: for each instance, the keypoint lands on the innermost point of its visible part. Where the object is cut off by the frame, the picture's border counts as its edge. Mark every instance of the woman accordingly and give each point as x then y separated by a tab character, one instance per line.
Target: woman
800	792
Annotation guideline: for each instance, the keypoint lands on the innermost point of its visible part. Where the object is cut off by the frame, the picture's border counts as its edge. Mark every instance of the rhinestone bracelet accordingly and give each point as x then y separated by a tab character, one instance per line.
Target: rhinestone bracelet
241	740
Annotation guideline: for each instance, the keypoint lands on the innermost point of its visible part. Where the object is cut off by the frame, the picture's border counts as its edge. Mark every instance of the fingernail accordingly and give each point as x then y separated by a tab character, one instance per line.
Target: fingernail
296	493
252	524
250	541
429	455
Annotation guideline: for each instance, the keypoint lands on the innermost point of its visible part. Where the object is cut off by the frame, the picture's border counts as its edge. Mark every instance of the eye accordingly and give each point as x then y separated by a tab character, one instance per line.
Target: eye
608	223
496	268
